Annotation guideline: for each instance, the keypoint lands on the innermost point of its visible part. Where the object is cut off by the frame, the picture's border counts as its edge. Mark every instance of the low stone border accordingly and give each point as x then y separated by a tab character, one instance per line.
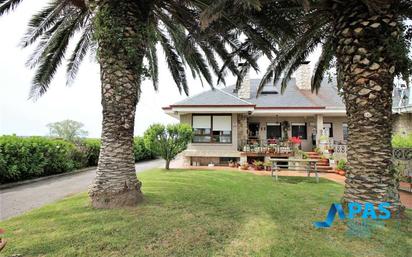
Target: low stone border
24	182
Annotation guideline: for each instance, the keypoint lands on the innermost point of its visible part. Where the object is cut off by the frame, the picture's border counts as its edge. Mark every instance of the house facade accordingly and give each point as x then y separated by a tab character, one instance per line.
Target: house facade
227	124
230	125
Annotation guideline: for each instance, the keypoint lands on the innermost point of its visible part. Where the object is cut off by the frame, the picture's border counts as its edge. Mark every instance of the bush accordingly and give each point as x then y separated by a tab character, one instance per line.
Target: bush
402	141
24	158
90	151
168	141
341	165
141	152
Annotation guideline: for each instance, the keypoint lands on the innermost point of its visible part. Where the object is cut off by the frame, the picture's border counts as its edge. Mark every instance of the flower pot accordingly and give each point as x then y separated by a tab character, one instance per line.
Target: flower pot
244	167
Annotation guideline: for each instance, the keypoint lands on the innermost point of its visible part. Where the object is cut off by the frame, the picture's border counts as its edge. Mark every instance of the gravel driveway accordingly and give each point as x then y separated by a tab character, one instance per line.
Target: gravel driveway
20	199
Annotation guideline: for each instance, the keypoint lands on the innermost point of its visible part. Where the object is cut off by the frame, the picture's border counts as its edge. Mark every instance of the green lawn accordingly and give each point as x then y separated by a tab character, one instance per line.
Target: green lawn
204	213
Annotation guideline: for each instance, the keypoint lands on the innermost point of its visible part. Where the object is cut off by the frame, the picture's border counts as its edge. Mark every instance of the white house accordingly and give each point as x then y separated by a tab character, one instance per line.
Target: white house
226	123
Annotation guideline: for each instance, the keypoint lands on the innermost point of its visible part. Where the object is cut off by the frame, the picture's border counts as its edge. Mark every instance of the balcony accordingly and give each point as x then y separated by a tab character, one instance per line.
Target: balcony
269	147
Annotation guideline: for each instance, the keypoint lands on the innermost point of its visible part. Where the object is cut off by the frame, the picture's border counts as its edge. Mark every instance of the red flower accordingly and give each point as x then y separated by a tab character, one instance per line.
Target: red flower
295	140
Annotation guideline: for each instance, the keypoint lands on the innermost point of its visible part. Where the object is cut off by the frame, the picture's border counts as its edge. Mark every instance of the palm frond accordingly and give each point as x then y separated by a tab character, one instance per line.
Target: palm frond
174	63
43	20
215	9
289	54
151	56
8	5
43	40
322	65
82	47
404	8
53	54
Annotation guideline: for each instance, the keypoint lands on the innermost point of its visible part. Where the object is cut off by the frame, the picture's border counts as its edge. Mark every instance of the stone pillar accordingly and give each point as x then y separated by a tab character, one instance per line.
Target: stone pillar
319	127
241	129
243	159
244	90
303	76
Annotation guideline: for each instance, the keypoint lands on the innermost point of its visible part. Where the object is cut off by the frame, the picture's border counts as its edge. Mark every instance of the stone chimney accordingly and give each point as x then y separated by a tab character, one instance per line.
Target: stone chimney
244	90
303	76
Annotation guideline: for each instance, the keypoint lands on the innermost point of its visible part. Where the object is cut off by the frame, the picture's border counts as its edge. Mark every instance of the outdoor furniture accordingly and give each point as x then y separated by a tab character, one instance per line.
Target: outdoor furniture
310	165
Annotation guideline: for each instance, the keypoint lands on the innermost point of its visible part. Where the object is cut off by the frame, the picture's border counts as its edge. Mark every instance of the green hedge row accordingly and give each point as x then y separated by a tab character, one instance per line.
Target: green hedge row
29	157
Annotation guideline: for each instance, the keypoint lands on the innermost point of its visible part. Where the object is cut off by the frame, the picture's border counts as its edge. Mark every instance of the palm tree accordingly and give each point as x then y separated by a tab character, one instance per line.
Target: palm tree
124	34
369	43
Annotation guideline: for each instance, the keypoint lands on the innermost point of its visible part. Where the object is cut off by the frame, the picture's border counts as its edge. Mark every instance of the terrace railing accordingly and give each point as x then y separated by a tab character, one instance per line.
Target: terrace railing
264	146
402	160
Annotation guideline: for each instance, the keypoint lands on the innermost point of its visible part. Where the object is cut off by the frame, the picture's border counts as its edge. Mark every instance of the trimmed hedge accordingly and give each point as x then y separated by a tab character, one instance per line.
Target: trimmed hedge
90	149
29	157
24	158
140	150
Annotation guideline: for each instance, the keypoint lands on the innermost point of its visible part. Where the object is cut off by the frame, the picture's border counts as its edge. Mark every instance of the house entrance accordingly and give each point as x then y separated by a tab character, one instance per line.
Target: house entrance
253	128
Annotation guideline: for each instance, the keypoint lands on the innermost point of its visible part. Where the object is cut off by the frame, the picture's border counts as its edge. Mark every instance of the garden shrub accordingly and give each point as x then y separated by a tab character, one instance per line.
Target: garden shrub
168	141
341	165
402	141
24	158
141	152
29	157
90	149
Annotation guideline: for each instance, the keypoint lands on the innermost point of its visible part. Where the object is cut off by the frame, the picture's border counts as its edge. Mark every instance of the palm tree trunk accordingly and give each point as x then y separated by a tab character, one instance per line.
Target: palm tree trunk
366	71
120	32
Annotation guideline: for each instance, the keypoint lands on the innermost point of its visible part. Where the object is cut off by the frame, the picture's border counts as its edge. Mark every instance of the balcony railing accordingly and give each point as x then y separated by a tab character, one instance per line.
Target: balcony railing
265	146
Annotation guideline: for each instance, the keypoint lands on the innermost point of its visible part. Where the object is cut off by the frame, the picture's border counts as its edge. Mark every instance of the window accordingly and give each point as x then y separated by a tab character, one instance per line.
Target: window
222	129
328	129
299	130
201	125
345	130
273	131
212	128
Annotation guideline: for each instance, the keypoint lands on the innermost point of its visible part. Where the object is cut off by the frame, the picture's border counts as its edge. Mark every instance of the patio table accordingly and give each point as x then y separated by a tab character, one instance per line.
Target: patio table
311	166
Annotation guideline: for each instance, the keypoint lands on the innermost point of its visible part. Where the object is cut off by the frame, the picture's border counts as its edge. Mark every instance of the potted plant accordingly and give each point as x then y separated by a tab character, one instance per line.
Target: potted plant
331	160
341	167
267	165
295	142
244	166
304	155
232	164
258	165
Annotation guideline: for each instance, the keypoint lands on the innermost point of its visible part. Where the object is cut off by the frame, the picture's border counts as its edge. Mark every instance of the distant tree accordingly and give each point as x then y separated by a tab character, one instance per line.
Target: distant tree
69	130
168	141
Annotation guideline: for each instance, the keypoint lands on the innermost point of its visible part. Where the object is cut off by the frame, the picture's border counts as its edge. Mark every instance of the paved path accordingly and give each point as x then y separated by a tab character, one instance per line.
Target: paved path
20	199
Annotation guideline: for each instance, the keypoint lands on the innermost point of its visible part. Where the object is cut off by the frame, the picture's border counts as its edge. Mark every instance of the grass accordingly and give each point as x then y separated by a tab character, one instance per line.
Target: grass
204	213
